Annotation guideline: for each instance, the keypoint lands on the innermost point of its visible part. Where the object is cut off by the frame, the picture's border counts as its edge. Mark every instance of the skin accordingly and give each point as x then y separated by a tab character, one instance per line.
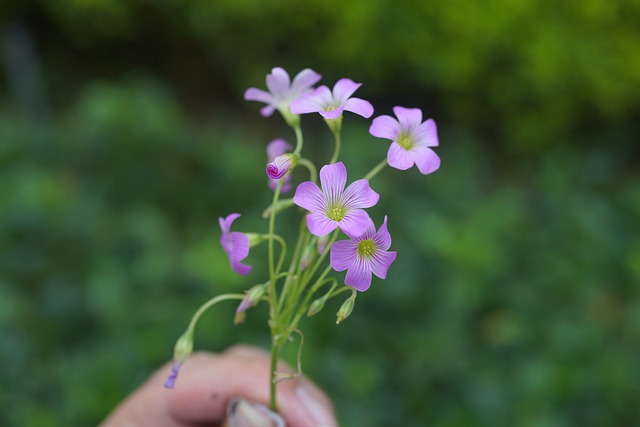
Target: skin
208	381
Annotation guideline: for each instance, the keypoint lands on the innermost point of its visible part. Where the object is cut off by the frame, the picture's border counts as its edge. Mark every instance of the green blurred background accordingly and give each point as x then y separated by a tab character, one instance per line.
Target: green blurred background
514	300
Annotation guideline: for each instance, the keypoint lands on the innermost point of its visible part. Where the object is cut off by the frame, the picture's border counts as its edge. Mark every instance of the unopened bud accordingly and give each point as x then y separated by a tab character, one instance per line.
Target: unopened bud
322	243
282	165
316	306
183	347
347	307
308	254
253	297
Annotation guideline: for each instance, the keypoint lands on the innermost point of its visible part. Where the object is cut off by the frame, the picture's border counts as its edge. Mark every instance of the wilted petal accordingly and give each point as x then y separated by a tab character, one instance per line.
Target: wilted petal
240	245
358	276
225	223
399	158
359	195
359	106
240	268
385	127
319	224
427	160
308	196
343	89
343	254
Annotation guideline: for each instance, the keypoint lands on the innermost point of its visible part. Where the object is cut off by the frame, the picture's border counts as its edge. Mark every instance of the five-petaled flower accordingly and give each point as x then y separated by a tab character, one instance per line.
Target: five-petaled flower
363	255
275	149
411	138
331	104
282	91
334	206
235	244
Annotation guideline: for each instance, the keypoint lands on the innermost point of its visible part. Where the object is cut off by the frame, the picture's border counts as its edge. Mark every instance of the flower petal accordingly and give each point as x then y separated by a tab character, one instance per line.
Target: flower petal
382	238
355	223
240	268
343	89
359	106
276	148
304	80
306	104
268	110
385	127
426	160
343	254
427	134
308	196
240	245
409	118
278	83
332	114
399	158
225	223
381	262
333	178
253	94
358	276
359	195
320	225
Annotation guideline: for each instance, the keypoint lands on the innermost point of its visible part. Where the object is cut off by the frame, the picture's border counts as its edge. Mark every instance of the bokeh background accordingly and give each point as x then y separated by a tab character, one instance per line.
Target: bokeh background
514	300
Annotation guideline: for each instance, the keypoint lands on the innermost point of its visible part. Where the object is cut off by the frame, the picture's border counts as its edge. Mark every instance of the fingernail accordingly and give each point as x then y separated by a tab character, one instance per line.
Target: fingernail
243	413
316	410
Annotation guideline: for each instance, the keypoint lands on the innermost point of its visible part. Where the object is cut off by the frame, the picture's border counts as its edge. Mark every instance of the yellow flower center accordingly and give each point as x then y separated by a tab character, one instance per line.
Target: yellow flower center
405	141
366	248
337	213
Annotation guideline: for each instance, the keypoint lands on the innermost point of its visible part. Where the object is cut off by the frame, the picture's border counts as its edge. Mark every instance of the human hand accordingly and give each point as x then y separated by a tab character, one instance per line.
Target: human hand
208	382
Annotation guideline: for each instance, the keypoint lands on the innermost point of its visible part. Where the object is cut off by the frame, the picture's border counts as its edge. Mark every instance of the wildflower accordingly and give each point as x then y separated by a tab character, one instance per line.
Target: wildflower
331	104
277	148
363	255
235	244
411	139
334	206
253	297
281	165
282	91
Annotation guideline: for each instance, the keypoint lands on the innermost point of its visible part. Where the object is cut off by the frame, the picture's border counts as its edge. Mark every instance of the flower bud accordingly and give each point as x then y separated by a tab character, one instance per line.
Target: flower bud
252	298
181	351
308	255
322	243
347	307
316	306
282	165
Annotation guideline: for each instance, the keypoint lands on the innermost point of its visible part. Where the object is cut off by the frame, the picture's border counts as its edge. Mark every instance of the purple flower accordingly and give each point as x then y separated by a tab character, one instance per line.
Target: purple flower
331	104
281	165
411	139
281	90
277	148
235	244
363	255
334	206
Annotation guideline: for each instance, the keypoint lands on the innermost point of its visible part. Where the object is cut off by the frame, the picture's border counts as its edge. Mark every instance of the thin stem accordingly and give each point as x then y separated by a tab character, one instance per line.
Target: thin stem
272	271
209	304
299	140
275	355
373	172
313	172
336	151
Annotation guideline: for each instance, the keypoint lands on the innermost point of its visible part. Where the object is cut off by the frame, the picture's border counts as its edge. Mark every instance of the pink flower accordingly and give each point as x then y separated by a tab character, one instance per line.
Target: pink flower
411	139
363	256
281	90
235	244
334	206
330	104
275	149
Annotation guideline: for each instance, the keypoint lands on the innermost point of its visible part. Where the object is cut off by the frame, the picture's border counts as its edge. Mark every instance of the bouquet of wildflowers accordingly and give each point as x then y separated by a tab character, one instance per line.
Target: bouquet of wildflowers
334	223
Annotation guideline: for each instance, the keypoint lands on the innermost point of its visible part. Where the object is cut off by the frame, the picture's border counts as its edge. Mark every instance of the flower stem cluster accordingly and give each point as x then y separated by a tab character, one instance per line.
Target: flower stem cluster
331	209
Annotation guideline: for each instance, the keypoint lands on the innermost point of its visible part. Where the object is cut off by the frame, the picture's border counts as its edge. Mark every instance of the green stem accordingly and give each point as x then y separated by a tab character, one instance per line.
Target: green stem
213	301
272	271
336	151
313	172
373	172
275	355
299	140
